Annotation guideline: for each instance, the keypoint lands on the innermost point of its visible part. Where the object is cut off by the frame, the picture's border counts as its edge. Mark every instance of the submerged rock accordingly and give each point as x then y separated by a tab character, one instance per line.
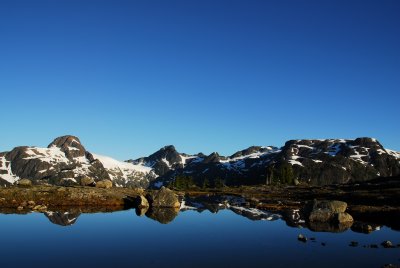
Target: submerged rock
302	238
353	244
387	244
390	265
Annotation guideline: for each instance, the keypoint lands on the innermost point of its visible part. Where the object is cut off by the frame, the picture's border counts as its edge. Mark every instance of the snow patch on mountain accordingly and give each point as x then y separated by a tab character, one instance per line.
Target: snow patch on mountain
50	155
113	164
5	167
166	162
128	172
293	160
393	153
239	161
185	159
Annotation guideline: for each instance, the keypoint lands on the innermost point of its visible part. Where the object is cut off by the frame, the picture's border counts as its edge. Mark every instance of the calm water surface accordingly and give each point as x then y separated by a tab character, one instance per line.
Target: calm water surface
192	239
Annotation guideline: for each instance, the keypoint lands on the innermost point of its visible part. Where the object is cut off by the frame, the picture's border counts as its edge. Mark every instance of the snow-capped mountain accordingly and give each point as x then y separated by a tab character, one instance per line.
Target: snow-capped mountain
317	162
164	160
65	161
125	173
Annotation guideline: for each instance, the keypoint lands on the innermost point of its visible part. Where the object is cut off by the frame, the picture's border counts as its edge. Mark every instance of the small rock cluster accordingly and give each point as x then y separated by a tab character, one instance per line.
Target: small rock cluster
84	181
384	244
32	206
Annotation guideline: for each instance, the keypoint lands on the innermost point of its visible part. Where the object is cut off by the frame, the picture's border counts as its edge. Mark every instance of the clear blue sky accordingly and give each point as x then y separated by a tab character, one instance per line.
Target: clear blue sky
129	77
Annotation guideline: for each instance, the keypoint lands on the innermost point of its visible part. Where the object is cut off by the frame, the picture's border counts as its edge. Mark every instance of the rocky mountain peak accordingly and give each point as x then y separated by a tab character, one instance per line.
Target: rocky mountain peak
253	150
169	148
168	153
367	142
314	161
70	145
212	158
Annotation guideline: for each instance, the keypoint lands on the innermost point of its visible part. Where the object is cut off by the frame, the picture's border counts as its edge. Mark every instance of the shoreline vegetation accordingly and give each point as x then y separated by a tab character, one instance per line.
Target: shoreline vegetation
374	201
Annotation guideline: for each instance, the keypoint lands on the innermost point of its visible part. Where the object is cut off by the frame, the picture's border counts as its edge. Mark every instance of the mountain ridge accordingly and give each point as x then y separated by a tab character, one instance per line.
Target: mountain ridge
65	161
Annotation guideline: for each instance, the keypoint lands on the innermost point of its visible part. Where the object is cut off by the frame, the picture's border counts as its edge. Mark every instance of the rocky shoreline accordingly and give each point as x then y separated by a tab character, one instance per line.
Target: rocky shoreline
40	197
374	202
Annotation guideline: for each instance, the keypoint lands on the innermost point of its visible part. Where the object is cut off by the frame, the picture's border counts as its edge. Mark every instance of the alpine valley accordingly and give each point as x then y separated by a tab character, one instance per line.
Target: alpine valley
66	162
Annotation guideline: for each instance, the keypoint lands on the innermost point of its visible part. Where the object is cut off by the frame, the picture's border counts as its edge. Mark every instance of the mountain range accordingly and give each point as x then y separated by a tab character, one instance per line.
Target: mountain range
65	161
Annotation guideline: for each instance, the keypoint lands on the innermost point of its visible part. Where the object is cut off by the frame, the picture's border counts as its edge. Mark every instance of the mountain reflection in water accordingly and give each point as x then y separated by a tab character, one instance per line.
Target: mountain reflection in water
214	204
207	231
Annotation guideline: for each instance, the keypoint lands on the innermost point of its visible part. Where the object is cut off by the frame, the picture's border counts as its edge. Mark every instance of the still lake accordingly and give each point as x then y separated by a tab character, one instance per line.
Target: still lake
191	239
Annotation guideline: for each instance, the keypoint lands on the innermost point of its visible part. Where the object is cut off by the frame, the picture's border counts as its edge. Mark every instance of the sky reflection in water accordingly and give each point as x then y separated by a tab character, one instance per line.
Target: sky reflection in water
192	239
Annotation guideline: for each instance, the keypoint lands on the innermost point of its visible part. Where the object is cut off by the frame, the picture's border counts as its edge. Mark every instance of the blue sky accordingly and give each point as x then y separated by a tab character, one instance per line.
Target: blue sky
129	77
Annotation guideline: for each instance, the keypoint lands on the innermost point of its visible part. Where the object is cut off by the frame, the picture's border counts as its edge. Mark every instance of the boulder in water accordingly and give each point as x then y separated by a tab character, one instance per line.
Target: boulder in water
163	198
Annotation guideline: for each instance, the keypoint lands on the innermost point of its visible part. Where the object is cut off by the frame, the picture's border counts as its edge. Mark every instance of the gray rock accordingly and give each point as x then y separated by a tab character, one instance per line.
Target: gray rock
104	184
332	205
141	202
163	198
330	211
24	183
343	217
87	181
